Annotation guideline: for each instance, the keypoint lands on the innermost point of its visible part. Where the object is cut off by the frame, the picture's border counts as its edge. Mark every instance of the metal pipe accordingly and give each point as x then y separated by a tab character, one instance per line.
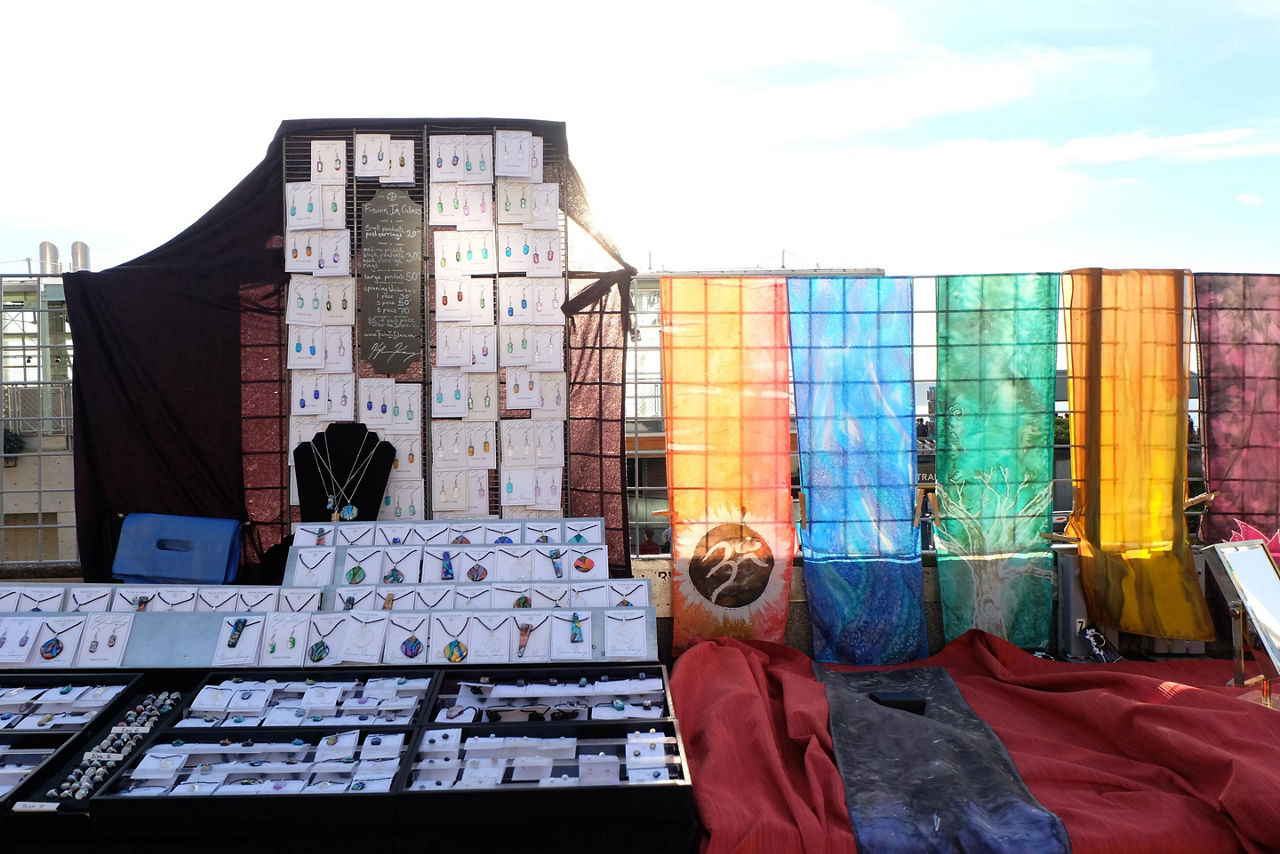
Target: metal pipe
49	265
79	256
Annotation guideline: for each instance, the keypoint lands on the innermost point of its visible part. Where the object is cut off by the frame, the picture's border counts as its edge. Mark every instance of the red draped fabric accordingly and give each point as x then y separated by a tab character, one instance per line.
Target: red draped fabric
1133	757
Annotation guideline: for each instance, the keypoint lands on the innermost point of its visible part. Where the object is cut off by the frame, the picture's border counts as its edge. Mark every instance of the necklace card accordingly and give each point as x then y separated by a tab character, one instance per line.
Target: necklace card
324	640
177	599
300	599
132	597
450	638
624	634
40	598
226	599
405	640
313	567
89	599
57	642
531	638
258	598
364	637
239	638
490	639
571	637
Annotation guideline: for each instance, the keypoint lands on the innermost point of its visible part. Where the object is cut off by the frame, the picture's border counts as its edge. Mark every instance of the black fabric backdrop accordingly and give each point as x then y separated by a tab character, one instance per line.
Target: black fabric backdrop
158	349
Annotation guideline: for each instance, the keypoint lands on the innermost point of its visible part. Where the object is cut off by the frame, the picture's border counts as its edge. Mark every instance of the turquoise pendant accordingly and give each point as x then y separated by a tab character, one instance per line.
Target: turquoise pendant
577	538
575	629
355	575
347	513
237	629
395	576
555	563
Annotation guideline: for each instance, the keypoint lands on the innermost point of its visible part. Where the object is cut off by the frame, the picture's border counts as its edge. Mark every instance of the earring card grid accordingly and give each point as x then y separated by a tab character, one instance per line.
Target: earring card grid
479	337
325	390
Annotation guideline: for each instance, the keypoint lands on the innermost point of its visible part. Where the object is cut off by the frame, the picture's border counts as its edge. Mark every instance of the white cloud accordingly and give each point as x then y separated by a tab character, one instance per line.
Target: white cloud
1141	144
1253	200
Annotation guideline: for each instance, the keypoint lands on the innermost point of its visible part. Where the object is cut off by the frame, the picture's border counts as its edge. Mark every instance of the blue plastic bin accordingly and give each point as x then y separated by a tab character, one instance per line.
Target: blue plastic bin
159	549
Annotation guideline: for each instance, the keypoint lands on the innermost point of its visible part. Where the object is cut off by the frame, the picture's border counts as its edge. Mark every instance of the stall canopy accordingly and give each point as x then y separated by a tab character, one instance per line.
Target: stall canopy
180	378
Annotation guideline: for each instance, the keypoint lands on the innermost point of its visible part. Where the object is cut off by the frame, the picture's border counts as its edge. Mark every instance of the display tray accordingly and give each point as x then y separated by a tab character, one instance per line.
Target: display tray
333	697
128	724
503	784
551	693
44	716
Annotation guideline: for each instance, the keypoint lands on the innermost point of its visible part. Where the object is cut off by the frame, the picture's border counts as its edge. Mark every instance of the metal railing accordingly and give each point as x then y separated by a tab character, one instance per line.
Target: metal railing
37	490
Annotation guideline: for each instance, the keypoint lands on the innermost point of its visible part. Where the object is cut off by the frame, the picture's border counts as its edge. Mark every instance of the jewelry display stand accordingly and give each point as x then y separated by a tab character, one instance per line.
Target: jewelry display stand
345	466
534	751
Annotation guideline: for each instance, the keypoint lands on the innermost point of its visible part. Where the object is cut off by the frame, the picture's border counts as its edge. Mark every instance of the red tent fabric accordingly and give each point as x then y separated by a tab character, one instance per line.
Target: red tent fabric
1133	757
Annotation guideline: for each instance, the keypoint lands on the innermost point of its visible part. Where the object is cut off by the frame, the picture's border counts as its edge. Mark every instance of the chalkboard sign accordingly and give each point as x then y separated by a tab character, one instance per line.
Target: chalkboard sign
391	283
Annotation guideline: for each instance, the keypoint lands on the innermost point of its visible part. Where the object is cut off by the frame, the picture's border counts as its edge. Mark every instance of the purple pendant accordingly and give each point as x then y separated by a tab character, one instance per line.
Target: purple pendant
412	647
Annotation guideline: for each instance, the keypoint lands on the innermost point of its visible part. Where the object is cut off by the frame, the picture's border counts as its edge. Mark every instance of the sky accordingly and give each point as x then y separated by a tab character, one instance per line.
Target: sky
924	136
